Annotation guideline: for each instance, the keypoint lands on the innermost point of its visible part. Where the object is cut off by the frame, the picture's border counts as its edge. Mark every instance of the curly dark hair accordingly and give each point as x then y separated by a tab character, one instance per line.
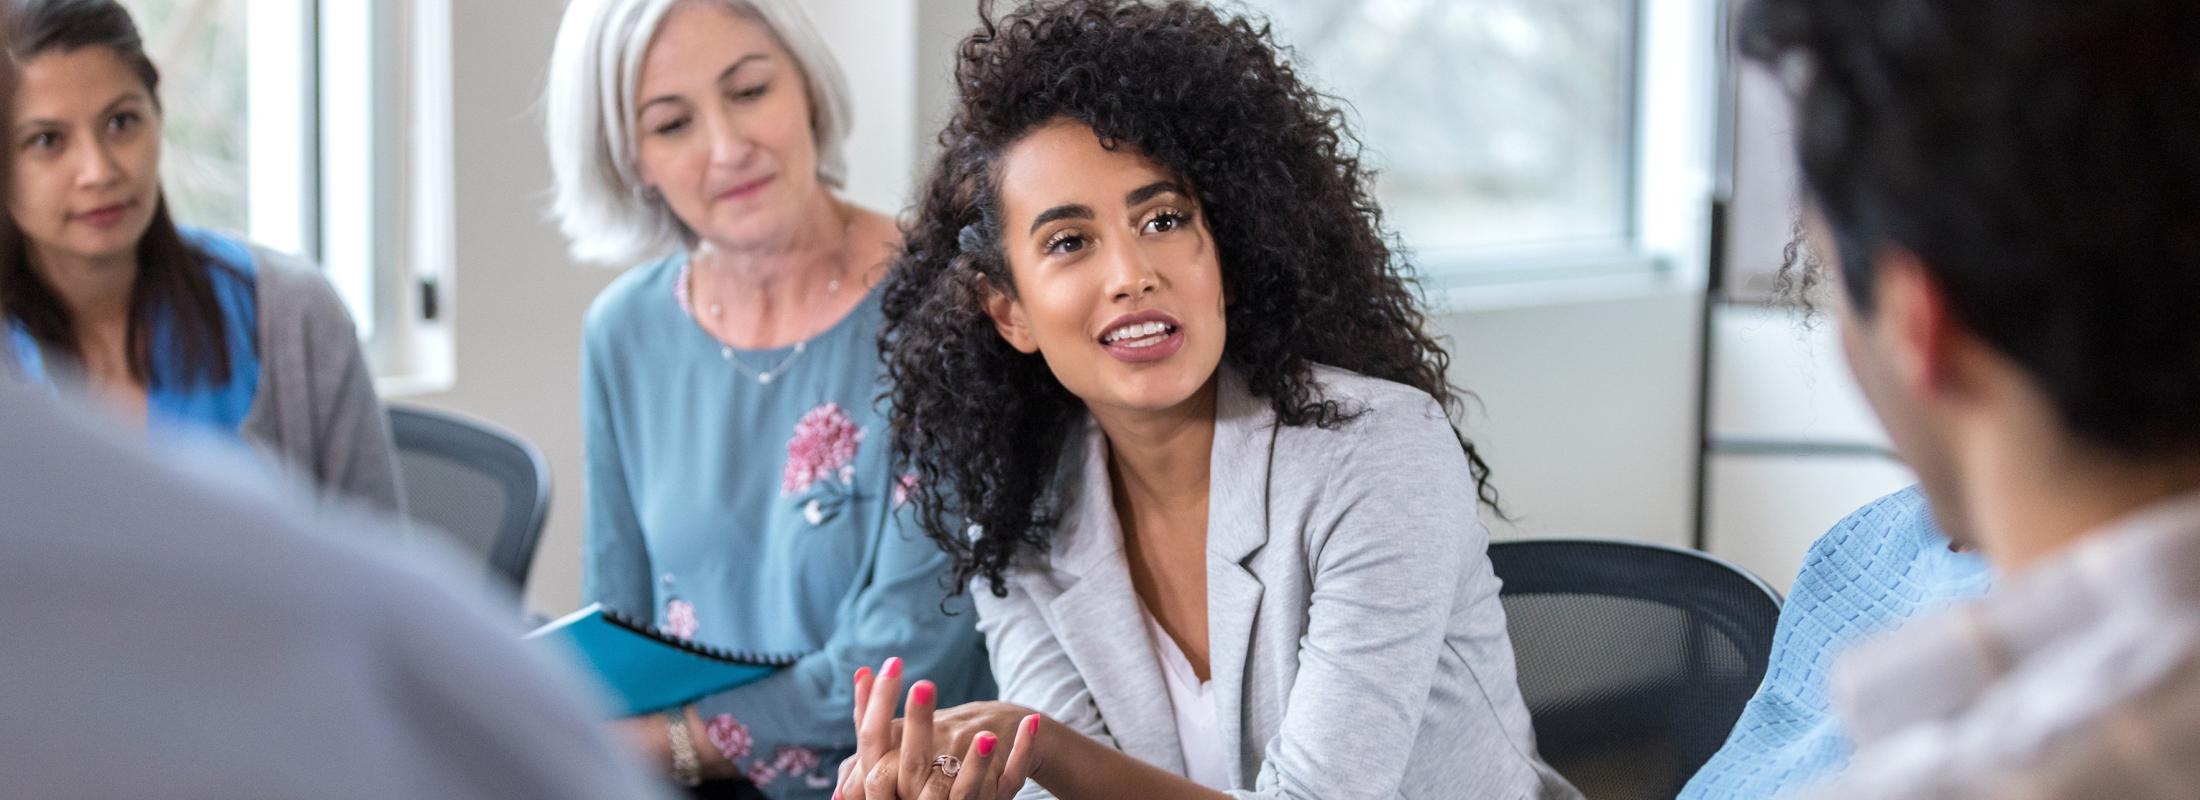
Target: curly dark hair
1312	275
2037	156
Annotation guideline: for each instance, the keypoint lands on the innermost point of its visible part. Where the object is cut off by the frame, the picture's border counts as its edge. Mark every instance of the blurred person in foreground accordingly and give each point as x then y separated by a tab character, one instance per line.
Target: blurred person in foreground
176	629
2004	193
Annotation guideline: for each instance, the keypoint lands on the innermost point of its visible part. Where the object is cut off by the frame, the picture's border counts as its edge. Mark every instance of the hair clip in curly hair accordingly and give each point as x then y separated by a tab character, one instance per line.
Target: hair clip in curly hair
970	240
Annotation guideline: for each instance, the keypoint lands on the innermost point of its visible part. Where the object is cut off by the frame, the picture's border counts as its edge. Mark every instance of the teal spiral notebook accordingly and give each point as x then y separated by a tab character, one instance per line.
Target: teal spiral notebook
647	669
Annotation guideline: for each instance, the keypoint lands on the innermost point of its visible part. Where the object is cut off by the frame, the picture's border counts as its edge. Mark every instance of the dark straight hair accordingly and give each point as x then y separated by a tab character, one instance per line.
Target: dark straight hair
173	278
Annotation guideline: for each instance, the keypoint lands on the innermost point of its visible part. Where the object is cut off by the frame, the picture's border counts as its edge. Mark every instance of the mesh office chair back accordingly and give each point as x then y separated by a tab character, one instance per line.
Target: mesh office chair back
486	487
1635	659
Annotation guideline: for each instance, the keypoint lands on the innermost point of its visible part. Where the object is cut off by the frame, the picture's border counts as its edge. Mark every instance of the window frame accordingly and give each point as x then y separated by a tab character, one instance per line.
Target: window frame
349	126
1673	106
281	127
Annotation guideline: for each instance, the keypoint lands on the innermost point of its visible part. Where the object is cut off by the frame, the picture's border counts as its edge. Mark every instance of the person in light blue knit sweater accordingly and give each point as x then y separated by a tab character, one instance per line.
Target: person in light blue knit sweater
1877	568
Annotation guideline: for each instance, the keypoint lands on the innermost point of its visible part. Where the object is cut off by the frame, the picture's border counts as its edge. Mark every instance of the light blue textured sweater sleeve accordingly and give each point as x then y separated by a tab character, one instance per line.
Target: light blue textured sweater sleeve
1877	568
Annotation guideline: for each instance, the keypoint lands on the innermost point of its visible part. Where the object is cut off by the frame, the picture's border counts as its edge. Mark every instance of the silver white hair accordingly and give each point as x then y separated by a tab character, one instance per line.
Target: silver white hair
589	108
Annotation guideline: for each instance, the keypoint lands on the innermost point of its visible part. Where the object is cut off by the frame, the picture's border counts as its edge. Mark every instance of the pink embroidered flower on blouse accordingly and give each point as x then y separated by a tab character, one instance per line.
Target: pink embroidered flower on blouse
680	618
903	488
791	760
729	736
824	446
763	774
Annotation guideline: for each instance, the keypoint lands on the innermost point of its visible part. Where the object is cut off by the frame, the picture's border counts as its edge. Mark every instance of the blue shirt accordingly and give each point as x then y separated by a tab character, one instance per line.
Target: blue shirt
1879	567
761	516
172	398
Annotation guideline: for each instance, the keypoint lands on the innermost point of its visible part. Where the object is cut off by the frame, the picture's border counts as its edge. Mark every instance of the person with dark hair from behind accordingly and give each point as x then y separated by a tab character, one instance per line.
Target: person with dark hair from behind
103	294
1173	410
2005	193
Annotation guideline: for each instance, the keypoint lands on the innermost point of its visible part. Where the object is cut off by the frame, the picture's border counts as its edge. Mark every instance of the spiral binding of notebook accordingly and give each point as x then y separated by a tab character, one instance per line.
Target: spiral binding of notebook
699	648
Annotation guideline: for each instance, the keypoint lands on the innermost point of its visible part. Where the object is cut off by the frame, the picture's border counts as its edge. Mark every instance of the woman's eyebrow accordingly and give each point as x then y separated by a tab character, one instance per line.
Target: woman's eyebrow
1149	191
728	73
1068	211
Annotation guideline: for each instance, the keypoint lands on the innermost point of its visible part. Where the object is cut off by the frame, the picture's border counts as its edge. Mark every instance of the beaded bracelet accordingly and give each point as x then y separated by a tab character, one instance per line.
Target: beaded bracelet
687	767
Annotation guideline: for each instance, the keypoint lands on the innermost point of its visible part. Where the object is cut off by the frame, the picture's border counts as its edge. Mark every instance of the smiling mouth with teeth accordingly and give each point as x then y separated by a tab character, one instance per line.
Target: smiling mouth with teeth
1144	334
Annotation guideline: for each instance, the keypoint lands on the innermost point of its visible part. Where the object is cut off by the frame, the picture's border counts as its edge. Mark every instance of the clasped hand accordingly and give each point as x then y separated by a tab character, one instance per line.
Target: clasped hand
949	754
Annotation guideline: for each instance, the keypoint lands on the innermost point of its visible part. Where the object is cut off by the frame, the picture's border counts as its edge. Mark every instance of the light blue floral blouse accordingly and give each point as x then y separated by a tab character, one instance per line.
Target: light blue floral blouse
761	516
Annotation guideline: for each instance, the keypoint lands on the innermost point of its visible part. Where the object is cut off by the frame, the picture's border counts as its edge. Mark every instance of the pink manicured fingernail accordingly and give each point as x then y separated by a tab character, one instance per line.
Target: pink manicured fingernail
985	744
893	667
1031	724
862	673
921	693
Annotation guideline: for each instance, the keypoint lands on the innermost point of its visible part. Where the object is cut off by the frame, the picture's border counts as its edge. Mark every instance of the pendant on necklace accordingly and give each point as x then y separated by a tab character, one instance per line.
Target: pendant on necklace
725	353
764	378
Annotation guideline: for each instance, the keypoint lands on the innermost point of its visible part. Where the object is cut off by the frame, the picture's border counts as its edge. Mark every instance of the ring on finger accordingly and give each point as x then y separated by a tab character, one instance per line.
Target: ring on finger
949	766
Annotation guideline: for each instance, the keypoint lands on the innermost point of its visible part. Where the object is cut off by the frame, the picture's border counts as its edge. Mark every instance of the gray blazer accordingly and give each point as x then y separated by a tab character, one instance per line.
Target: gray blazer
1357	644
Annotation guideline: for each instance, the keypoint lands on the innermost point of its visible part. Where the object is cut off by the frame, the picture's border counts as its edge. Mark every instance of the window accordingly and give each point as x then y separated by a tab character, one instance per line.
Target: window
284	122
1507	134
1497	122
199	47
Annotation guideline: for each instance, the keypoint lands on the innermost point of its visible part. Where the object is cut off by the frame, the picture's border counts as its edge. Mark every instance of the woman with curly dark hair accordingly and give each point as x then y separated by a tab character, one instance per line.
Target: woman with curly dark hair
1166	399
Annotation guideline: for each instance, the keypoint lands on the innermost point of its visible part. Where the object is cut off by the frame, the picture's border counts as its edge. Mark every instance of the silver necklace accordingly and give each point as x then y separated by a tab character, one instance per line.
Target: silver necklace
765	377
832	290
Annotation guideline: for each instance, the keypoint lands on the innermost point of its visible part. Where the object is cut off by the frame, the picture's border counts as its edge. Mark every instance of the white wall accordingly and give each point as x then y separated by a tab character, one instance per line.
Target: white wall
1778	376
515	299
1588	413
872	39
1589	421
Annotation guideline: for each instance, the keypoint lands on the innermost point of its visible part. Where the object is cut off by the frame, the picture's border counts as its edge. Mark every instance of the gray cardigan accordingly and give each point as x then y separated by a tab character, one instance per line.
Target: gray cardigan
1358	648
316	411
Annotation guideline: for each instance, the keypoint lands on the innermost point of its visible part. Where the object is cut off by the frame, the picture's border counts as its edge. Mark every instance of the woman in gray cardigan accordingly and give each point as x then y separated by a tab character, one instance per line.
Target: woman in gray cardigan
1169	406
173	329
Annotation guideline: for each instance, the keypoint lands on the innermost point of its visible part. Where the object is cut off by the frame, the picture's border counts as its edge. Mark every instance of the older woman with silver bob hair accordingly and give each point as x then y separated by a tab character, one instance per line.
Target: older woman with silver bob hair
738	484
